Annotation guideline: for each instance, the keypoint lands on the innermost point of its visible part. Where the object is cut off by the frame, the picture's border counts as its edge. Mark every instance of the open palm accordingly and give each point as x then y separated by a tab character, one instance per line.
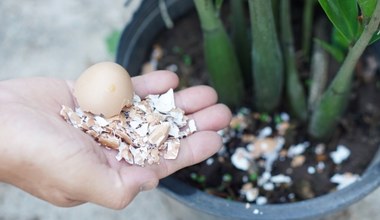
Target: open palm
43	155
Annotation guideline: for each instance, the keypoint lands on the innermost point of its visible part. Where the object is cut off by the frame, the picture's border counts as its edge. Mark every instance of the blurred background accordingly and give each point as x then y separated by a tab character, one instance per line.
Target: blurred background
60	39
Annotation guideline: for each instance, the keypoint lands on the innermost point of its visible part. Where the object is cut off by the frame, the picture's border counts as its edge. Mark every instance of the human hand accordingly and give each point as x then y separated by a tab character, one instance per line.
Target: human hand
43	155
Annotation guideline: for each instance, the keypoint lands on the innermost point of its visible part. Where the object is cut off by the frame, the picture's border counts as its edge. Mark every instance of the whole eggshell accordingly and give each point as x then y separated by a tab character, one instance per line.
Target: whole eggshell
104	88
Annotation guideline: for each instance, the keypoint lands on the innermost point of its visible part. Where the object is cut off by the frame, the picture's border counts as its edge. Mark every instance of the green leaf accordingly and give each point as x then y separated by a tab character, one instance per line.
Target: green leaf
367	7
343	14
335	52
338	40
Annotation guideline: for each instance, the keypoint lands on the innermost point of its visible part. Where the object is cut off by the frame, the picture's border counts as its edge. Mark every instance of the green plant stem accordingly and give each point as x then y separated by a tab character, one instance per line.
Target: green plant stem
276	13
266	57
240	39
307	25
335	98
318	66
294	90
221	60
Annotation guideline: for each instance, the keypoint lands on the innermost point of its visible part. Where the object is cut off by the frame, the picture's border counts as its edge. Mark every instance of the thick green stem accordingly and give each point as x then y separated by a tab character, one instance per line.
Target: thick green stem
307	25
294	90
240	39
334	100
266	56
221	60
318	66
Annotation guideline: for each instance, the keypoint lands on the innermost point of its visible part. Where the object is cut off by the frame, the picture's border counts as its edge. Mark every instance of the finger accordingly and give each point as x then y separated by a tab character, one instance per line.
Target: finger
193	150
212	118
195	98
156	82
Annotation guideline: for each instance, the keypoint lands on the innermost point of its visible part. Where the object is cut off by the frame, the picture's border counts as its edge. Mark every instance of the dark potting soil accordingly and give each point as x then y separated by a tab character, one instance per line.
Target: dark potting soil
293	177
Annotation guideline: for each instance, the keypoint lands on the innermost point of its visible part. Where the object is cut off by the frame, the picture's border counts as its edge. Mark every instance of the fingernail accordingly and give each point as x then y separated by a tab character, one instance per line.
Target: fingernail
149	185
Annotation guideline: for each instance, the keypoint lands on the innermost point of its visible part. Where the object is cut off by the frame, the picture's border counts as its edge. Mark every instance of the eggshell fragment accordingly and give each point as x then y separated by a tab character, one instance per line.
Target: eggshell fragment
104	88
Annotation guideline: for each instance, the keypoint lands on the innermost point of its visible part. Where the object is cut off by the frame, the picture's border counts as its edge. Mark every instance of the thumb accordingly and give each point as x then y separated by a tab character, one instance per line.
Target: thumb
115	188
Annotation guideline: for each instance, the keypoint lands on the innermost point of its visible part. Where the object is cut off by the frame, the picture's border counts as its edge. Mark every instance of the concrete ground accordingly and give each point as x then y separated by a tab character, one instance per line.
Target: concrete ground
60	39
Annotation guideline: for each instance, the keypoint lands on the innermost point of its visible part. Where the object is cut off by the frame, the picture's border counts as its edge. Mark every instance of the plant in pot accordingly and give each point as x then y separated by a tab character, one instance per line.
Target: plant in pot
263	147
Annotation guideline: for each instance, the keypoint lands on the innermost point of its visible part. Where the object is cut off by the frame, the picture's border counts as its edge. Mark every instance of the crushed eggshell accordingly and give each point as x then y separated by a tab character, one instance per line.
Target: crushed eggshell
297	149
340	155
241	159
261	200
143	133
250	192
281	179
344	180
298	161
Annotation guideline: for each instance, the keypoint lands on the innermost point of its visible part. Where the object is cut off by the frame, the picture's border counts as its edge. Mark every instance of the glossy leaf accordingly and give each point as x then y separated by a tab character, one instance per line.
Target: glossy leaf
367	7
343	14
338	39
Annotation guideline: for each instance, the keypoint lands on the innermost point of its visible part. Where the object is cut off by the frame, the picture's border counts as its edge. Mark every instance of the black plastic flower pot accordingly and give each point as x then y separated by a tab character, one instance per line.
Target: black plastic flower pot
133	49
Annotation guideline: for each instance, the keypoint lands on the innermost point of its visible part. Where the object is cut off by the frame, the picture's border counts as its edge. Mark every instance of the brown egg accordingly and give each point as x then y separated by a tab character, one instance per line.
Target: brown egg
104	88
